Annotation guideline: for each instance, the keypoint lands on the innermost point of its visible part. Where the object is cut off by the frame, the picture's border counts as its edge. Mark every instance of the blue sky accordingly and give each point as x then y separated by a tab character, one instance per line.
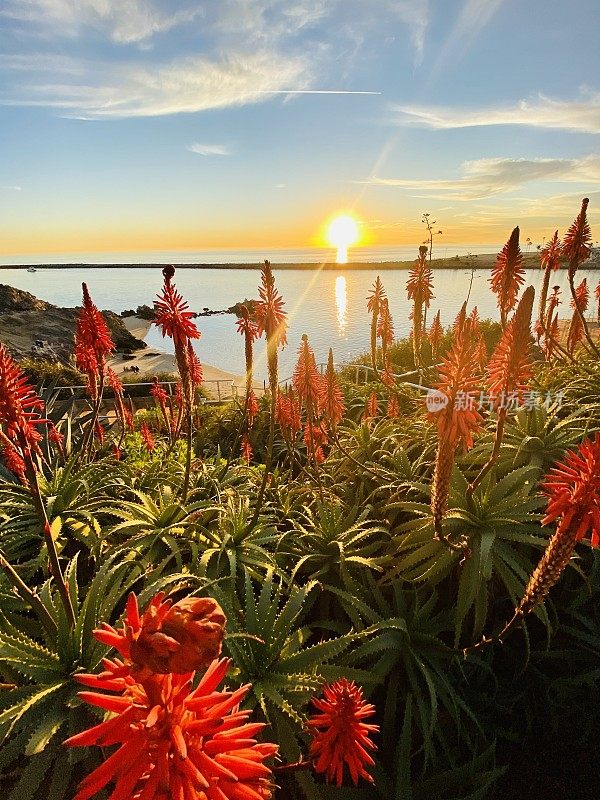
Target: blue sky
139	124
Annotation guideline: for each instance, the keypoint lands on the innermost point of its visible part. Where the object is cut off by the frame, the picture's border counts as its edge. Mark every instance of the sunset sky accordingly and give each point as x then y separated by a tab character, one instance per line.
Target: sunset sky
143	125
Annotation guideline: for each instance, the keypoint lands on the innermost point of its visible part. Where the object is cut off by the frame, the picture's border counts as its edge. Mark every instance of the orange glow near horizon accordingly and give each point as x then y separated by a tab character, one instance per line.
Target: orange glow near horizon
51	236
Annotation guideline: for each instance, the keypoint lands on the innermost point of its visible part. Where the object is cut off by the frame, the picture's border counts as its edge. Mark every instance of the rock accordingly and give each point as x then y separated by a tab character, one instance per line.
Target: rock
25	319
12	299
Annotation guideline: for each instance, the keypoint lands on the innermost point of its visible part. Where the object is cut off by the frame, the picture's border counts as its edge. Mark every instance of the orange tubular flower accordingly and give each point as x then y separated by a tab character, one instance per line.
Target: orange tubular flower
510	369
458	419
341	737
194	366
172	314
419	289
19	406
374	301
246	449
597	296
13	461
385	324
181	637
581	302
251	408
435	335
508	275
458	378
248	328
573	491
175	742
331	397
147	437
271	320
306	379
549	262
371	407
393	409
93	342
577	244
287	414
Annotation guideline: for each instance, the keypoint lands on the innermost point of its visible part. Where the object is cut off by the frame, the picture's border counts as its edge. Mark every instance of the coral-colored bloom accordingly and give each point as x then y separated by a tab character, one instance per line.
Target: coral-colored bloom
270	317
287	414
341	736
172	314
93	342
116	451
180	637
194	366
374	301
393	409
508	275
581	302
92	329
371	407
271	320
13	461
458	381
510	368
314	439
577	244
435	335
376	297
158	392
246	449
331	397
19	405
419	286
175	742
54	435
385	324
251	408
306	379
147	437
573	491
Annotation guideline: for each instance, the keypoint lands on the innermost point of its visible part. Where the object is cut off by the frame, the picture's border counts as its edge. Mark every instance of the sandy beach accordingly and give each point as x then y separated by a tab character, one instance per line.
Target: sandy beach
151	361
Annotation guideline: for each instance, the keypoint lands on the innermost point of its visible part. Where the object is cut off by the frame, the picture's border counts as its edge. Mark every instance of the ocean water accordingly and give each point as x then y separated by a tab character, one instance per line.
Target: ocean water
298	255
329	306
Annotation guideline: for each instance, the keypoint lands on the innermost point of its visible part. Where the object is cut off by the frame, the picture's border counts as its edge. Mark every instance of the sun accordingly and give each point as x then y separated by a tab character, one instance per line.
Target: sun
342	232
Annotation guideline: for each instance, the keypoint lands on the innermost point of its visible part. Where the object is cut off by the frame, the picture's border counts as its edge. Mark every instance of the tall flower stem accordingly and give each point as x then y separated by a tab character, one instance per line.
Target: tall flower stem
270	320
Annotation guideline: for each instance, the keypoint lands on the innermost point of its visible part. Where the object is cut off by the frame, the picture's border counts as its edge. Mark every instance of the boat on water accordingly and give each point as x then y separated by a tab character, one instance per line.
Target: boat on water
31	269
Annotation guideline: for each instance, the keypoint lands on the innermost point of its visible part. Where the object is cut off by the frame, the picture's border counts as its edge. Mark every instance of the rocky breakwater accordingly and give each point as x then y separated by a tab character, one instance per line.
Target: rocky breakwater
30	327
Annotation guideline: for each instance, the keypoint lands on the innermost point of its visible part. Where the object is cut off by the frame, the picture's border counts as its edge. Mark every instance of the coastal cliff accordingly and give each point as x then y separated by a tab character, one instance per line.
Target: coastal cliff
25	320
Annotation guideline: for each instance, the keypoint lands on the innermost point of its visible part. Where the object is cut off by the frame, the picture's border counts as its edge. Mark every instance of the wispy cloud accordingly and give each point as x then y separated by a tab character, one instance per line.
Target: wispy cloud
581	114
209	149
107	91
123	21
491	176
5	188
415	14
472	18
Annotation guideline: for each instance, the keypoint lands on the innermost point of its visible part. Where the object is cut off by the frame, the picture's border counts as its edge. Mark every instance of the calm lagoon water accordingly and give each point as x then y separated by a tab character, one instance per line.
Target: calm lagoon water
328	306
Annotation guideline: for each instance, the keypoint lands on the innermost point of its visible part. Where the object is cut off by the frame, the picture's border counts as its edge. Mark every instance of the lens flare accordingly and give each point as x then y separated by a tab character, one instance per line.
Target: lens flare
342	233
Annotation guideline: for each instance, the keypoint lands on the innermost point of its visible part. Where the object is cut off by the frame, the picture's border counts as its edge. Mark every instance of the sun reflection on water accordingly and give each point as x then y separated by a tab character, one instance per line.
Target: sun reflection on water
341	303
